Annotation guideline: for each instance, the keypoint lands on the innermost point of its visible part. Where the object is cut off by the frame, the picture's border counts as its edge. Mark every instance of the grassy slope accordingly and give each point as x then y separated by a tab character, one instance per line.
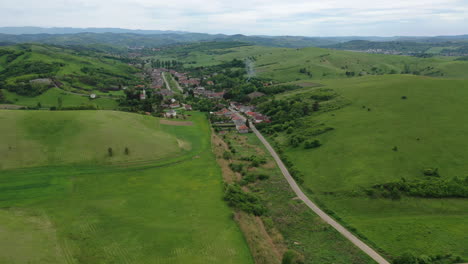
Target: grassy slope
50	98
55	138
73	63
300	228
283	64
112	214
359	154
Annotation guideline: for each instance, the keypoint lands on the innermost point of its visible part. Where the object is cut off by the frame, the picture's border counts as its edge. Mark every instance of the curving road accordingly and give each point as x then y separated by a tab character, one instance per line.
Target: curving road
356	241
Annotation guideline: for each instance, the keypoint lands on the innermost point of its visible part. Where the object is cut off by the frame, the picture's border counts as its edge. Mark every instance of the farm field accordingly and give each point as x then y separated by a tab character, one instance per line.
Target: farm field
161	204
381	137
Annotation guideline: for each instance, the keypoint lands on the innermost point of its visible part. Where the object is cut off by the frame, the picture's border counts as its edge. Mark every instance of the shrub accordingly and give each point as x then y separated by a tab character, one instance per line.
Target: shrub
226	155
431	172
292	257
244	201
127	151
312	144
110	152
236	167
251	177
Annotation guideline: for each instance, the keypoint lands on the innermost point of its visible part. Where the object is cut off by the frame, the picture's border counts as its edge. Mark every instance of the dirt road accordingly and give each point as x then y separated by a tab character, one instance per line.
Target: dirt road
356	241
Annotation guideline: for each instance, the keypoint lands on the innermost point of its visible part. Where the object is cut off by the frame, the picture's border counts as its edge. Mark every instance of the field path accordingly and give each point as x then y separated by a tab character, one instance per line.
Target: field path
165	81
356	241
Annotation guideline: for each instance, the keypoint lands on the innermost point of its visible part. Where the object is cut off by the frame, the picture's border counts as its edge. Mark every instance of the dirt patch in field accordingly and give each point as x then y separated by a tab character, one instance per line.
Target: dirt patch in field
175	123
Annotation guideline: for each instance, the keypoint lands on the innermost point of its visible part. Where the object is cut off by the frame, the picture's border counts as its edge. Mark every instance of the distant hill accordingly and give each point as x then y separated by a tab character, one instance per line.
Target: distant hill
158	38
408	46
69	30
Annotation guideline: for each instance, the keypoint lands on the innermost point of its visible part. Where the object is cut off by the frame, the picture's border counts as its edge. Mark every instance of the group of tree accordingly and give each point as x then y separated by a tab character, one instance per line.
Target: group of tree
428	187
132	101
305	71
244	201
410	258
168	64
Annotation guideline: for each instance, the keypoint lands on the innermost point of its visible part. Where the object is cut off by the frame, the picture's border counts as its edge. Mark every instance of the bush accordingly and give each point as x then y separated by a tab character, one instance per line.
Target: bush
236	167
409	258
312	144
432	187
431	172
292	257
251	177
244	201
227	155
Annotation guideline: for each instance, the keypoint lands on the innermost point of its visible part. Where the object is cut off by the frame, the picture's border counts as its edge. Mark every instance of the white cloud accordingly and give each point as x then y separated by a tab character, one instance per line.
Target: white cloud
272	17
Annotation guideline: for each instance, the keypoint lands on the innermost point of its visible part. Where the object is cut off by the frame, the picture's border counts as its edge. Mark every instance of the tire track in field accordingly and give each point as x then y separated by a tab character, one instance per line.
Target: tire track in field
67	252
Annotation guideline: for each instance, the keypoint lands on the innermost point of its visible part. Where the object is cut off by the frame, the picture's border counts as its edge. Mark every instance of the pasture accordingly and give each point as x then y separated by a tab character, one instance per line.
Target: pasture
50	98
284	64
161	204
394	128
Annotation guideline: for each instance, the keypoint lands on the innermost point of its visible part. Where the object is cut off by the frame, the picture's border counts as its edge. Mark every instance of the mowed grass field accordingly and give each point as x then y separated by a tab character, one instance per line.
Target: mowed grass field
167	210
41	138
429	129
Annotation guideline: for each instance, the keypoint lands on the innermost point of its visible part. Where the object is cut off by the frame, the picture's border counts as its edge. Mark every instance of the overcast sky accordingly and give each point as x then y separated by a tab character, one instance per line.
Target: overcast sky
250	17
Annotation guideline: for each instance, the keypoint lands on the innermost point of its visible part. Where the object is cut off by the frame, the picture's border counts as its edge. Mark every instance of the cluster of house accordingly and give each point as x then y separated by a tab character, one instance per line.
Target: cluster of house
238	120
172	113
248	110
234	115
157	79
184	80
202	92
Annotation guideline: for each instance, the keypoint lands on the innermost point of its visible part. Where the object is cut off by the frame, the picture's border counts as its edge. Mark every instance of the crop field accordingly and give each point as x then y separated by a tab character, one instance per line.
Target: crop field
394	128
161	203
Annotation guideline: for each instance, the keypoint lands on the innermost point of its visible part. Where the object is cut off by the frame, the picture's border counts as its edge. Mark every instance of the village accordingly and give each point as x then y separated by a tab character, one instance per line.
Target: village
229	115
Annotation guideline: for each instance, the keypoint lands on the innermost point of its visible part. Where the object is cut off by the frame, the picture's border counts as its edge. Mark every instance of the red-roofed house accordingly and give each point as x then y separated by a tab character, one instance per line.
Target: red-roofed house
242	129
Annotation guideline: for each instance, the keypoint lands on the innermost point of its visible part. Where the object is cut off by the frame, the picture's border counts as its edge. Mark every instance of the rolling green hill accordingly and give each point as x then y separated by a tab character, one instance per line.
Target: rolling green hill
387	131
161	203
285	64
31	69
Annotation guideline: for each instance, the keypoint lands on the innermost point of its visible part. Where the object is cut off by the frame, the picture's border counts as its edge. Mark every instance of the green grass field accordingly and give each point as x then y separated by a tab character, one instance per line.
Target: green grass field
74	208
79	71
283	64
300	228
50	99
358	154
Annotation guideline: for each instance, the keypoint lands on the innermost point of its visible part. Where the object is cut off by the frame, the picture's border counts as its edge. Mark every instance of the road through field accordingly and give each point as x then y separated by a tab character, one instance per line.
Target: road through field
356	241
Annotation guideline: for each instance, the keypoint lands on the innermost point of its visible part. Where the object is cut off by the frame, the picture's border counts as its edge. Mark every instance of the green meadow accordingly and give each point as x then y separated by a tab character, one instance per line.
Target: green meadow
284	64
68	201
381	137
50	98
